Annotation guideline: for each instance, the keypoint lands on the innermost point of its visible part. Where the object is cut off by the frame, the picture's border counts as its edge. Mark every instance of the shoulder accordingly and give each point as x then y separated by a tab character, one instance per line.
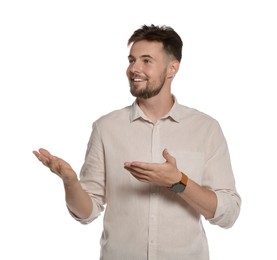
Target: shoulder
189	113
114	117
197	121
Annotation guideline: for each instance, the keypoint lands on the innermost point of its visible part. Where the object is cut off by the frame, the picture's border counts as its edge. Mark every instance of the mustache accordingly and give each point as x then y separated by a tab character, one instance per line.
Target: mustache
137	76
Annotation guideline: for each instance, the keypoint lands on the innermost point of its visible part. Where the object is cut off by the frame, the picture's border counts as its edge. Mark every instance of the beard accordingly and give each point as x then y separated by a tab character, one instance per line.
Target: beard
145	93
152	88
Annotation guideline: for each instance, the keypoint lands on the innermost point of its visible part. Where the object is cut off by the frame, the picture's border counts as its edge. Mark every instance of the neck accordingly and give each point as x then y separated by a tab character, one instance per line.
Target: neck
156	107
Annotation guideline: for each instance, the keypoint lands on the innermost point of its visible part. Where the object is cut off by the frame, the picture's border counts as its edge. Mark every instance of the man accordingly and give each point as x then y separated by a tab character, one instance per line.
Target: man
156	165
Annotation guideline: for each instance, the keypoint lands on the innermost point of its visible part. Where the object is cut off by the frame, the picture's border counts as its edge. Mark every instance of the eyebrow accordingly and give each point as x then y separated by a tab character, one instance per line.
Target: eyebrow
142	56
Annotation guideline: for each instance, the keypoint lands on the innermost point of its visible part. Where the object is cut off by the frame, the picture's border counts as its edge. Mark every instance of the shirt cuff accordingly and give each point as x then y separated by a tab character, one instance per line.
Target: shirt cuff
94	214
227	209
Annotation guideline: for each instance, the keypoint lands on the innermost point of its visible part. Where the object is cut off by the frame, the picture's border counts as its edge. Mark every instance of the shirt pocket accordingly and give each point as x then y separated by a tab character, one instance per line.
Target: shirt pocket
190	163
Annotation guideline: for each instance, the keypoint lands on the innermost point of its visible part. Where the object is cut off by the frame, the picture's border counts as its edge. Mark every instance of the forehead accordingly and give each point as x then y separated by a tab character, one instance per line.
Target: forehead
149	48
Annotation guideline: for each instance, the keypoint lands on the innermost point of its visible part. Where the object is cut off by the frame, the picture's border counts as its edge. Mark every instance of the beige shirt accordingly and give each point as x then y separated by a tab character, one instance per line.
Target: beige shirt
147	222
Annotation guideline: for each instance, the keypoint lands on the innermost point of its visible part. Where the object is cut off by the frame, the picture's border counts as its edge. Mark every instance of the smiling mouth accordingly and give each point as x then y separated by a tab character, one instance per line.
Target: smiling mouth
136	79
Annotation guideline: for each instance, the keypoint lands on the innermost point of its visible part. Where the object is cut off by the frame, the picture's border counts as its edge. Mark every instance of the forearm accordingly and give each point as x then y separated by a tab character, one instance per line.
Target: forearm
204	201
78	200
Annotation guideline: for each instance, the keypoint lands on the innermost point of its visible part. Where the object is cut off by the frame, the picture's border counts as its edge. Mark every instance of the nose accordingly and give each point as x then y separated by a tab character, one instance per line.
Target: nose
134	67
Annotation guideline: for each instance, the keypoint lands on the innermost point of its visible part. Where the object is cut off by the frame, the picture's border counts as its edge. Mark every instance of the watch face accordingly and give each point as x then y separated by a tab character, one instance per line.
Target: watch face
179	187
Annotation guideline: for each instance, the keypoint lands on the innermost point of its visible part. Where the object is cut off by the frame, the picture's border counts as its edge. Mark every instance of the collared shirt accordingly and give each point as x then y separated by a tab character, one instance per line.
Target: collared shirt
148	222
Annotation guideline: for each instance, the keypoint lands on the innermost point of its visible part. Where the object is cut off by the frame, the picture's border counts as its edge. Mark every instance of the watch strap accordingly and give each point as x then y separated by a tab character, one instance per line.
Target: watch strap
184	179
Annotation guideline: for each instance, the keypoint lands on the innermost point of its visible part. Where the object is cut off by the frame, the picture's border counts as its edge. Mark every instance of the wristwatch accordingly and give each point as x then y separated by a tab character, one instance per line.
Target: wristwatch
181	185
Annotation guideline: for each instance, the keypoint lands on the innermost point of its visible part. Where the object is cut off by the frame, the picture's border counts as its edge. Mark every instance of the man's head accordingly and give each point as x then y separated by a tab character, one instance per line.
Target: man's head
154	59
171	41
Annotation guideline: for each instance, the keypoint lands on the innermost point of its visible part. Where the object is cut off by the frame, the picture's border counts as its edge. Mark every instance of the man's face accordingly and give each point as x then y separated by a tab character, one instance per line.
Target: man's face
147	70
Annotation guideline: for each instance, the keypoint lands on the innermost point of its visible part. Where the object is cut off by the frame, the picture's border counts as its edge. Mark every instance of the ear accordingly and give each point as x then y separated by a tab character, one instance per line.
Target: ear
173	68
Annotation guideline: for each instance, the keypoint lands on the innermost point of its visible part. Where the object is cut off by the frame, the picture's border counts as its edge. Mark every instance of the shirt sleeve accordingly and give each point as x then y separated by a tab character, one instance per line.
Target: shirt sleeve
218	176
228	208
92	175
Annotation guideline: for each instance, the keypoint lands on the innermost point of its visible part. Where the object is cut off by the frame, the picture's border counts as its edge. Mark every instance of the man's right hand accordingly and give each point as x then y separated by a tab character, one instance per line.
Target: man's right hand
77	200
57	166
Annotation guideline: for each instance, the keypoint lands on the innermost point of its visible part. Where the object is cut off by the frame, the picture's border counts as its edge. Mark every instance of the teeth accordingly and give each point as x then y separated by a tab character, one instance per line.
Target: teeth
136	79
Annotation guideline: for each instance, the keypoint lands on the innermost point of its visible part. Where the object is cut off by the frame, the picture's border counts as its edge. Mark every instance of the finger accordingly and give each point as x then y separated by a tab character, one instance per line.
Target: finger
45	158
142	166
36	154
45	153
140	177
40	157
168	157
136	169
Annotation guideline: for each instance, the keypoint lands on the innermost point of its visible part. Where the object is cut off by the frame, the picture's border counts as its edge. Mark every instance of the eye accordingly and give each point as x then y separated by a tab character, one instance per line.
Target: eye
146	61
131	61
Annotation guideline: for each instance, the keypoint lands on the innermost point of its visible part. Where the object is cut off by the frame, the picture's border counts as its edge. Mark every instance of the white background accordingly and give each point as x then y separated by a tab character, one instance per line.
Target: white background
62	65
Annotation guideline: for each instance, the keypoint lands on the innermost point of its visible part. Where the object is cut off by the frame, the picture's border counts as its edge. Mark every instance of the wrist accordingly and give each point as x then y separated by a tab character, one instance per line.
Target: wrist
181	184
70	182
177	178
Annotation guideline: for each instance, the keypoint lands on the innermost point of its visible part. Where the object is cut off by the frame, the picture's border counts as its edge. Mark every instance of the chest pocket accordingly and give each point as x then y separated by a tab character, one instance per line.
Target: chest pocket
190	163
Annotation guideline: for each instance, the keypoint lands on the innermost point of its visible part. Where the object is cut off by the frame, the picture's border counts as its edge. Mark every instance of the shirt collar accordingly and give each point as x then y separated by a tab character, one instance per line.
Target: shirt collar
174	112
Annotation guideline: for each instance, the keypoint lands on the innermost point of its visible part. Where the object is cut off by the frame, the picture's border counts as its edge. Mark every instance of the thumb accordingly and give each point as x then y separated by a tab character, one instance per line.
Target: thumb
168	157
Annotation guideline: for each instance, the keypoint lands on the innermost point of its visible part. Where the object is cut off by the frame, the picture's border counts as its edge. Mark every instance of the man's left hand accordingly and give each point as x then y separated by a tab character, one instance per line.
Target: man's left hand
163	174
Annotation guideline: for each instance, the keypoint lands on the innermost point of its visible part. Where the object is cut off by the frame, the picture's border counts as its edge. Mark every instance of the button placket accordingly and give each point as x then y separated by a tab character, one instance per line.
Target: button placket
154	198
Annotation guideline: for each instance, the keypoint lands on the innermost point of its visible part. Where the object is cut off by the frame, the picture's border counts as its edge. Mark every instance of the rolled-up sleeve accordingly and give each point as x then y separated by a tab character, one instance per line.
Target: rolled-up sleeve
228	208
92	176
219	177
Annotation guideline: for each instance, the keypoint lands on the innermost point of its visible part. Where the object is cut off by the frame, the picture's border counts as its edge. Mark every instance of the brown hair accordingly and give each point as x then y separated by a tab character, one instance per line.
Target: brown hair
171	41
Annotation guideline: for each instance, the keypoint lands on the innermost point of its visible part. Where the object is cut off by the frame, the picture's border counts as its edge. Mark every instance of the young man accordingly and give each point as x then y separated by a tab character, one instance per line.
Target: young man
158	166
